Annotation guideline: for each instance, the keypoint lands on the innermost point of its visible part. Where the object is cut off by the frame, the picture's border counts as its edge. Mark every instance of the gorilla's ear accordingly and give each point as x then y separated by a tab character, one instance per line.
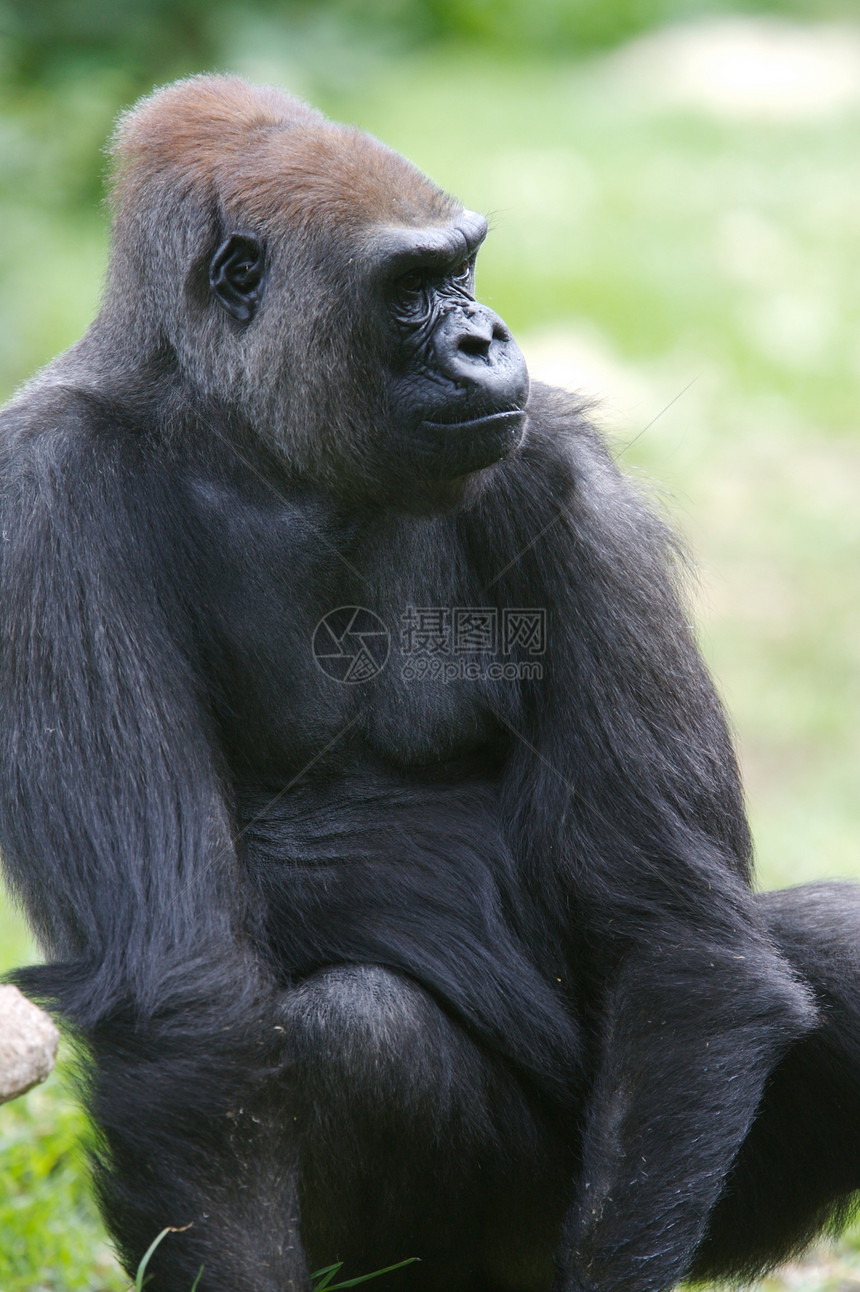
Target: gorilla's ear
237	275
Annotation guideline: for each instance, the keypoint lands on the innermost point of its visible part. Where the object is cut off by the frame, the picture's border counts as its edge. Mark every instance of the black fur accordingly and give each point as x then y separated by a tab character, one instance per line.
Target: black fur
465	969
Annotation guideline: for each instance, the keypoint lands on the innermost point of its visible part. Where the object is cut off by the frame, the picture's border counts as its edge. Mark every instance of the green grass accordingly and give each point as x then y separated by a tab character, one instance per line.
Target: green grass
640	249
51	1238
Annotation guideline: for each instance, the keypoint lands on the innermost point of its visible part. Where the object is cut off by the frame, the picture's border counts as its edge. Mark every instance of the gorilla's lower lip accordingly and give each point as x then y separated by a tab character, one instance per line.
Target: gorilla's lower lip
489	421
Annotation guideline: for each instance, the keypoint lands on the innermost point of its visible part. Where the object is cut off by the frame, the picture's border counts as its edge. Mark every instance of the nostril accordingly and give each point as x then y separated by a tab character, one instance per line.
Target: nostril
476	347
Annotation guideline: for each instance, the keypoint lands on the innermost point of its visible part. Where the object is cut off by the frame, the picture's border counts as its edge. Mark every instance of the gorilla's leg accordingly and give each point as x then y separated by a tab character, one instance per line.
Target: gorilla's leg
413	1143
801	1160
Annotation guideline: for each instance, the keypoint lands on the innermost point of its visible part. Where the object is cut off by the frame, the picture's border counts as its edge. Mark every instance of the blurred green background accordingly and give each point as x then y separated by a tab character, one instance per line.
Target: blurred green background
674	196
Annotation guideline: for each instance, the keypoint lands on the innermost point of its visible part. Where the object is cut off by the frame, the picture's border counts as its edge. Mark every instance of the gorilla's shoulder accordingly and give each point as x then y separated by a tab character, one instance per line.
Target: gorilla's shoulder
52	419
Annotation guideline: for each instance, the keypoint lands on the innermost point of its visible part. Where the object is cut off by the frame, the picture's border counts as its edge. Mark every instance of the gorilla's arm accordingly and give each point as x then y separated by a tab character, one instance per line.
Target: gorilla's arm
633	808
691	1033
117	837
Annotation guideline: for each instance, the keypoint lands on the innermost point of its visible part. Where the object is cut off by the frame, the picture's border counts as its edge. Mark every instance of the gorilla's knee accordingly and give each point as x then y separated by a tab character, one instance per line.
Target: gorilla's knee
373	1035
817	927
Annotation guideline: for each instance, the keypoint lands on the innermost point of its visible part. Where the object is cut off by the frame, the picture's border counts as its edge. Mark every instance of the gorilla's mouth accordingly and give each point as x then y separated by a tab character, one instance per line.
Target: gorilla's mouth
456	448
487	421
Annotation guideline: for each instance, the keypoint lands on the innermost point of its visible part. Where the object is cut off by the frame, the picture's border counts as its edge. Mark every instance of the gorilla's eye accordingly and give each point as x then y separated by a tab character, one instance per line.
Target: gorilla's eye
462	273
413	281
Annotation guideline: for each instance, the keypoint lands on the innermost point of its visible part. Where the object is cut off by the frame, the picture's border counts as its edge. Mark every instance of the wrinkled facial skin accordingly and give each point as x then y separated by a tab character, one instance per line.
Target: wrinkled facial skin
459	383
451	384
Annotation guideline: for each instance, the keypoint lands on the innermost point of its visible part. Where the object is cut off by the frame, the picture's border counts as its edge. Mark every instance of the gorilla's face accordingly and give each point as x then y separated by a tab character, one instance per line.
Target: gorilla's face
458	382
435	384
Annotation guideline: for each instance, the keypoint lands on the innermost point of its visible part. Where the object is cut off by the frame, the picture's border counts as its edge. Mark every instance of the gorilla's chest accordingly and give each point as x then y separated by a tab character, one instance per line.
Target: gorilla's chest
335	646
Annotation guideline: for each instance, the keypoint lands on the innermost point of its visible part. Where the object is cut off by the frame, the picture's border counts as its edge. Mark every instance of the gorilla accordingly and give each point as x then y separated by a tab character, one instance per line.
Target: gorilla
361	778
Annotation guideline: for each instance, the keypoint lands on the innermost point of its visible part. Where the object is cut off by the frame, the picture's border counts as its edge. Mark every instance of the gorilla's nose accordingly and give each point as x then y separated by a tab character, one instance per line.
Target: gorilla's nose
468	341
476	337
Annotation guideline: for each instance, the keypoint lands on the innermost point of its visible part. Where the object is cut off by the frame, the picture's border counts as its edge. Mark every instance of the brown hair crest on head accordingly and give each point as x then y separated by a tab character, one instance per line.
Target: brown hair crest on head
264	156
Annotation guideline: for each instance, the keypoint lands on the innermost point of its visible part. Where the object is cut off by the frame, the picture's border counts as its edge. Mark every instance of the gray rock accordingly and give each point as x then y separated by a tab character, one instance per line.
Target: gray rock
28	1044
